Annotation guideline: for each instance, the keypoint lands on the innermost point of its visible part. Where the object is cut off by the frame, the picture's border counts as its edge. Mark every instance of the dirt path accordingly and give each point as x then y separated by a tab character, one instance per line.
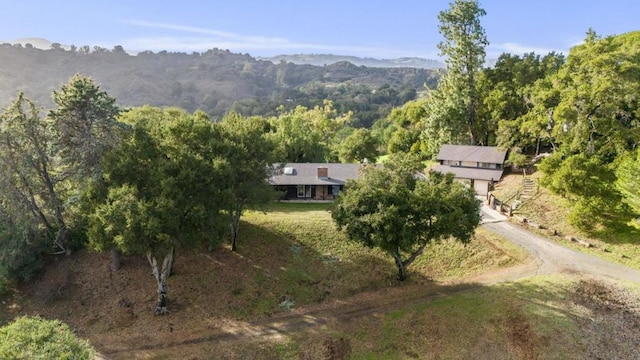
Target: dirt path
551	257
545	257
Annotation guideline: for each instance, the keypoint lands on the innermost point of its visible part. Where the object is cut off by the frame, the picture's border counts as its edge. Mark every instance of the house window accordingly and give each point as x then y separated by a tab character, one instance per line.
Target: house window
335	190
487	165
451	162
305	191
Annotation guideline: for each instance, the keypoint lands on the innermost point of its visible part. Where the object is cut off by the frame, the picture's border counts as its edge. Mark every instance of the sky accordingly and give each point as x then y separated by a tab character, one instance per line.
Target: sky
374	28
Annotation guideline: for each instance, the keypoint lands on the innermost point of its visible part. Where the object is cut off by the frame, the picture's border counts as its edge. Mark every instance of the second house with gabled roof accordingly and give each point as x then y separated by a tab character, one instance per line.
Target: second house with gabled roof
478	166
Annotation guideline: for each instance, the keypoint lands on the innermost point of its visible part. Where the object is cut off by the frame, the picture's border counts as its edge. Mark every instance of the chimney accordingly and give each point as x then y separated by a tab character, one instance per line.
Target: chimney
323	173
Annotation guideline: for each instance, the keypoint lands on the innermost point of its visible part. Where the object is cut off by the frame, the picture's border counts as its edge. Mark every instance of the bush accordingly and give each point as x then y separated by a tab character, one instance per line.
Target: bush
20	254
37	338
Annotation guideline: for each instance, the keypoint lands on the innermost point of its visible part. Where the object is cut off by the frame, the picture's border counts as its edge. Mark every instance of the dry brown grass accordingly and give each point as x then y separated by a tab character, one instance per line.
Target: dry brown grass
345	303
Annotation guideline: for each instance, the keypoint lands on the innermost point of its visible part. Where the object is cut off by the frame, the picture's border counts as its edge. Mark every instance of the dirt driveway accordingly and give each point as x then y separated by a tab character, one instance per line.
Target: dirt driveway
550	257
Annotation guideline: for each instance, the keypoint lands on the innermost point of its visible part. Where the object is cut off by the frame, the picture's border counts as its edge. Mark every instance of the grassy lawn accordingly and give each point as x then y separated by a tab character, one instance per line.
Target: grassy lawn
547	317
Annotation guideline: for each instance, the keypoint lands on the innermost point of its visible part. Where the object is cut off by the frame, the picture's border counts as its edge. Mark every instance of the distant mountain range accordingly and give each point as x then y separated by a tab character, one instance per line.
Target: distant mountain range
298	59
328	59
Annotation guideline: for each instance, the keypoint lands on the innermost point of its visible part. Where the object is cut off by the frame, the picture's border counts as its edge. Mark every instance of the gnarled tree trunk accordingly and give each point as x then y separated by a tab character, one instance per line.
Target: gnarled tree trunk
403	264
402	271
161	276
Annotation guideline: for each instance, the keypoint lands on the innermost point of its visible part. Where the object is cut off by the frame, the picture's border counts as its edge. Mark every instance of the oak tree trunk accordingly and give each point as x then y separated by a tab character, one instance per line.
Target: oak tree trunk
234	226
115	260
402	271
161	275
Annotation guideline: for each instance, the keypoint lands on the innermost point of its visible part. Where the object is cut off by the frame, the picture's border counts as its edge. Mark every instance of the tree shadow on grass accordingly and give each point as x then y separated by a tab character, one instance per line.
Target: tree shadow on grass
298	273
543	317
617	231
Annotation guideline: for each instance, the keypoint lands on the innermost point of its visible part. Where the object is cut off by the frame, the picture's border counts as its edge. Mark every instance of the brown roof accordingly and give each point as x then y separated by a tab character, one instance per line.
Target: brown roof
485	154
307	174
470	173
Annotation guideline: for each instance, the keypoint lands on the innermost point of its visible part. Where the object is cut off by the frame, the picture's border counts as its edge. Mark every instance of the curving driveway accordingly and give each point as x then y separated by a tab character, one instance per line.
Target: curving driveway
550	257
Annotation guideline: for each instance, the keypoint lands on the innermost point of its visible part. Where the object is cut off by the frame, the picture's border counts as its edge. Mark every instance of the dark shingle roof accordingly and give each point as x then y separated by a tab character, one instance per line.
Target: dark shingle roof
307	174
470	173
485	154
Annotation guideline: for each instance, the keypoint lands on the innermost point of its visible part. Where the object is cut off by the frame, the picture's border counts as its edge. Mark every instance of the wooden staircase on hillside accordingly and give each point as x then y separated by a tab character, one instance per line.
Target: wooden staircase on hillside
529	189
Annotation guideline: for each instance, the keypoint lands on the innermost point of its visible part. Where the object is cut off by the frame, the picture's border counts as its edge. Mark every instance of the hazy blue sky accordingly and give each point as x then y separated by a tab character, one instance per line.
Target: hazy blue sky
374	28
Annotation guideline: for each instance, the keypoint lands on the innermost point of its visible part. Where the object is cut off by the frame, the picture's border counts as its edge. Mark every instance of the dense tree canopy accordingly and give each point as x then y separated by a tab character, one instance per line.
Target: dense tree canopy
249	154
85	126
306	135
595	121
359	146
517	104
27	170
628	182
162	189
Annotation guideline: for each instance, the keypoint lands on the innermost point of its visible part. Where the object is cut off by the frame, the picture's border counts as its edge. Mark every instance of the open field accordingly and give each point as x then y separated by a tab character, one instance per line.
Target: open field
298	289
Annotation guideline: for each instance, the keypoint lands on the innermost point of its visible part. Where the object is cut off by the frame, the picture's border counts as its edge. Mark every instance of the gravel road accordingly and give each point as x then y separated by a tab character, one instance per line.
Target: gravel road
550	257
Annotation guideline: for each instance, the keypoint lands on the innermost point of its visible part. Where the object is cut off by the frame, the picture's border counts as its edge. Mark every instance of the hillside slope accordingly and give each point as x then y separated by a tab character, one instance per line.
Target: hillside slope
211	81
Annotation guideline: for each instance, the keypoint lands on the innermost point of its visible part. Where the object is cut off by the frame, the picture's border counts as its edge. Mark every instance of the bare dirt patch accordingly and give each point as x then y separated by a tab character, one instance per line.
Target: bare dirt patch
610	318
521	338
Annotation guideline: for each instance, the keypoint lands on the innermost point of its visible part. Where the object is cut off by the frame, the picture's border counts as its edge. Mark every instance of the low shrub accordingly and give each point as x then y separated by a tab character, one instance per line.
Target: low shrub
38	338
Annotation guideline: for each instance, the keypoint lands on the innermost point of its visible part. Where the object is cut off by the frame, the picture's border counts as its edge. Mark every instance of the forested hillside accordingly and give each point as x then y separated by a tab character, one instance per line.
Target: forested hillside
214	81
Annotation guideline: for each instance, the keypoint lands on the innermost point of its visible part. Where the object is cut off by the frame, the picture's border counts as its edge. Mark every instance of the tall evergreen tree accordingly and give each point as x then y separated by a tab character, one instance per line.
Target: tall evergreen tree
453	107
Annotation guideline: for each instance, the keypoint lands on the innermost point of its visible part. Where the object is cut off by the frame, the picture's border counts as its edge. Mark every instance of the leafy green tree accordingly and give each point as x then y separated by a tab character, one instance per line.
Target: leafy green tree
360	145
595	122
407	122
249	155
508	88
391	209
85	127
21	246
628	182
453	107
589	184
38	338
28	169
305	135
163	190
597	111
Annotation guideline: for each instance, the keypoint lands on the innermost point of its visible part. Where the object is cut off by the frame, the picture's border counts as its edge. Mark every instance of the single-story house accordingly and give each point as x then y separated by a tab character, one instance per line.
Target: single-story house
312	181
478	166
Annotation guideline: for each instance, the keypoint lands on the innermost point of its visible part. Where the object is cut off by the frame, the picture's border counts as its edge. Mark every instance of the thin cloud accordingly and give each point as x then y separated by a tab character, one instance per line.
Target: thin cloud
519	49
206	39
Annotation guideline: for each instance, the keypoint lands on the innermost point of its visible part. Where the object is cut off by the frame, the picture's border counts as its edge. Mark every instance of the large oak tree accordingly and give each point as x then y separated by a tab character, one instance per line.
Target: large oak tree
162	190
394	209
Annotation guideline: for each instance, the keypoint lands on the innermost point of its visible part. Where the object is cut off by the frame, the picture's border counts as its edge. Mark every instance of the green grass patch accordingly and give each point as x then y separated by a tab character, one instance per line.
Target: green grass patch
528	319
544	317
298	254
